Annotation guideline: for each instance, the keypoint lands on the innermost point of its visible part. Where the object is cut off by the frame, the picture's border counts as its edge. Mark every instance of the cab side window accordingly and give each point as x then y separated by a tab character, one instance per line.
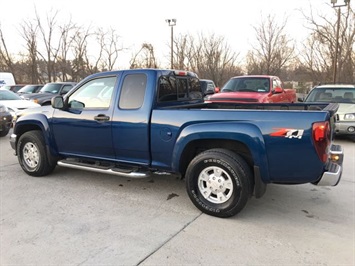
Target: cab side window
274	83
133	91
277	83
96	93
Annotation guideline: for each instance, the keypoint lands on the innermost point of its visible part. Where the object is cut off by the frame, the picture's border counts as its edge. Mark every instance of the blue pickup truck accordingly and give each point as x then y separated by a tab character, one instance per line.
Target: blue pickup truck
136	122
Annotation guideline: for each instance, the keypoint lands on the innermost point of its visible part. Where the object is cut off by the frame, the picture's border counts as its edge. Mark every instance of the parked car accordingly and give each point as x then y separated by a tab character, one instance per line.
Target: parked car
254	89
5	120
208	87
44	96
15	103
30	88
344	94
14	88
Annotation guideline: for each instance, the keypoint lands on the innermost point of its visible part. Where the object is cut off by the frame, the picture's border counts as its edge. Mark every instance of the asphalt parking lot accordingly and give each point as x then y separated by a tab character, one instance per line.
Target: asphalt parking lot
75	217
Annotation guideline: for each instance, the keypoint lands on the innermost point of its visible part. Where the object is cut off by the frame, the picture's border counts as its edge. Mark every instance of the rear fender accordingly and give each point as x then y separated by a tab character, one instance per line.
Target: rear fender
243	132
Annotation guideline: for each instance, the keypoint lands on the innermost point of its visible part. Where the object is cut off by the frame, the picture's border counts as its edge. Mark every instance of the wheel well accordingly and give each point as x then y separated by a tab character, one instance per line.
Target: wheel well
198	146
25	128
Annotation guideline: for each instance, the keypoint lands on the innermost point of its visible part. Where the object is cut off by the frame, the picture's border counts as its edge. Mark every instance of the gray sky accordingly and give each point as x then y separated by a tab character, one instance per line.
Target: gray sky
139	21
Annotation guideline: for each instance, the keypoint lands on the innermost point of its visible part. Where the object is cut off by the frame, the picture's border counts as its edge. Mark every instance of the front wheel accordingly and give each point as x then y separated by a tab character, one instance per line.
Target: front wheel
218	182
32	154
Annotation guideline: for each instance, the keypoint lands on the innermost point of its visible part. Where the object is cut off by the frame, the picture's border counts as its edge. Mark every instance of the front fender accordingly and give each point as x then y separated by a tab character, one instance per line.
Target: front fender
244	132
37	121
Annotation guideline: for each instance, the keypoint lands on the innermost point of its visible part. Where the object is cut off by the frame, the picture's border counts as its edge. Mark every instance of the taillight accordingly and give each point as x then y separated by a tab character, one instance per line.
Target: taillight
321	138
180	73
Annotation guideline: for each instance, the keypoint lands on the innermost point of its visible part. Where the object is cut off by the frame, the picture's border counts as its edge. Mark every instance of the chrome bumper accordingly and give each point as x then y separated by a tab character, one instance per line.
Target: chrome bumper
334	167
345	128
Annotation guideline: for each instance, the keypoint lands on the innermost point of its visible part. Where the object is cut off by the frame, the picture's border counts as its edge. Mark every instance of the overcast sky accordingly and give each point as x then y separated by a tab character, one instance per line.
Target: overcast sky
143	21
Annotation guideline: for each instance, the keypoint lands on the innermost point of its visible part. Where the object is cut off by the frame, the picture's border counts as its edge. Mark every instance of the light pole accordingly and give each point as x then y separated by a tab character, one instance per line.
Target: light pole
171	23
335	63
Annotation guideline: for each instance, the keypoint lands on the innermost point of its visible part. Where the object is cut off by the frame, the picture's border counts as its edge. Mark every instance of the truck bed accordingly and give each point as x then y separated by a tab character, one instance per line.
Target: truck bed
331	107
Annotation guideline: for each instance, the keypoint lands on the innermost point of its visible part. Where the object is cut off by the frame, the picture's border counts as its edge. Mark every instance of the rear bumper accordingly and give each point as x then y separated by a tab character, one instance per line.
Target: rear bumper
334	167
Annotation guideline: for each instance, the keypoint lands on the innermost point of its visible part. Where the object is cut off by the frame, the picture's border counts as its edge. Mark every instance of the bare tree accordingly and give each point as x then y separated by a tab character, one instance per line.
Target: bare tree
319	52
67	32
109	46
273	49
81	66
209	56
54	54
61	51
144	58
29	32
218	61
50	53
184	53
6	60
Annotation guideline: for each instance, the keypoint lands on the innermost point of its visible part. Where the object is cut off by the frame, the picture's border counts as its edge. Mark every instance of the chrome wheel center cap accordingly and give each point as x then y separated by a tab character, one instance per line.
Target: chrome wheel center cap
216	184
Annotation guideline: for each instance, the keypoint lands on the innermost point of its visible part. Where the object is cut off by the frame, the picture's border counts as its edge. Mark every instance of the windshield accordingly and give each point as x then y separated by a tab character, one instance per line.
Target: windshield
51	88
338	95
28	88
8	95
247	84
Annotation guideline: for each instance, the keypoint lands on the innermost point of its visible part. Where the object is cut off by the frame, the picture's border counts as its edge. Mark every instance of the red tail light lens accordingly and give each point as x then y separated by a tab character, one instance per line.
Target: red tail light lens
321	138
180	73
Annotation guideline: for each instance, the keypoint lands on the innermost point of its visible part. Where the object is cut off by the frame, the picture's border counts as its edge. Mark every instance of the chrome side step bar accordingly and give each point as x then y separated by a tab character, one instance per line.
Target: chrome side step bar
103	170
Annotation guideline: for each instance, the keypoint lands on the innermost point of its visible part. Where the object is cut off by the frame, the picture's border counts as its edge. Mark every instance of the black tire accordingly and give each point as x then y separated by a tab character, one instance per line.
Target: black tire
223	173
4	132
32	154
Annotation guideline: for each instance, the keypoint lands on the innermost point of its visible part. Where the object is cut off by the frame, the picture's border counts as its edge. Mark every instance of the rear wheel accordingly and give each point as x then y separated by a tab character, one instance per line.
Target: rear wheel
218	182
32	154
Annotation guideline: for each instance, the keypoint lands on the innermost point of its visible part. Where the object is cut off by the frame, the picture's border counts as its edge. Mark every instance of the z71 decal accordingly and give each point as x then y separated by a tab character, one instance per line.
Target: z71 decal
288	133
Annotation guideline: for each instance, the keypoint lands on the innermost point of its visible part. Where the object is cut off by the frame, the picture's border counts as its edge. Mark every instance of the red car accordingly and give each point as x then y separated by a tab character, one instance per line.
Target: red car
254	89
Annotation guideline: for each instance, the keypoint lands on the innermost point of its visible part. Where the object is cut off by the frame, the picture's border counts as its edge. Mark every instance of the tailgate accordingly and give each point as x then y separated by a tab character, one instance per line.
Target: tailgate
332	108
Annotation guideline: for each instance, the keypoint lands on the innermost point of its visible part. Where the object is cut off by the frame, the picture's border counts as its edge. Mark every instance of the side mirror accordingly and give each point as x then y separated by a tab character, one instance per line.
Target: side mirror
57	102
278	90
300	99
216	90
209	92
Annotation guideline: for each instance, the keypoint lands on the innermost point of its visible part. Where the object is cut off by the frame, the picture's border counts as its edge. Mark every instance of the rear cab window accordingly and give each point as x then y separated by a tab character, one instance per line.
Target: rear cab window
178	89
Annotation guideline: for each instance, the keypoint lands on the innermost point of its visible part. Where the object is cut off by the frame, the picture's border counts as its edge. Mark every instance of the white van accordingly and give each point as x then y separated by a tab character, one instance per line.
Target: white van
6	78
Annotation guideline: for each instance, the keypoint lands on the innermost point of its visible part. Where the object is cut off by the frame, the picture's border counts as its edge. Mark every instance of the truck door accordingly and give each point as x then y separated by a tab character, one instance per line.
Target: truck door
131	120
85	128
278	97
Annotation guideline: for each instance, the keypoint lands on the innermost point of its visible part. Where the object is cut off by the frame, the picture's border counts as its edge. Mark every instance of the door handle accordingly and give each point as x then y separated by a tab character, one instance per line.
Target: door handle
101	118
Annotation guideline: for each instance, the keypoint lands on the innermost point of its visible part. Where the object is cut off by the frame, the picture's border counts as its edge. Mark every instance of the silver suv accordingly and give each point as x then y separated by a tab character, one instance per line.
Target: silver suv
344	94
